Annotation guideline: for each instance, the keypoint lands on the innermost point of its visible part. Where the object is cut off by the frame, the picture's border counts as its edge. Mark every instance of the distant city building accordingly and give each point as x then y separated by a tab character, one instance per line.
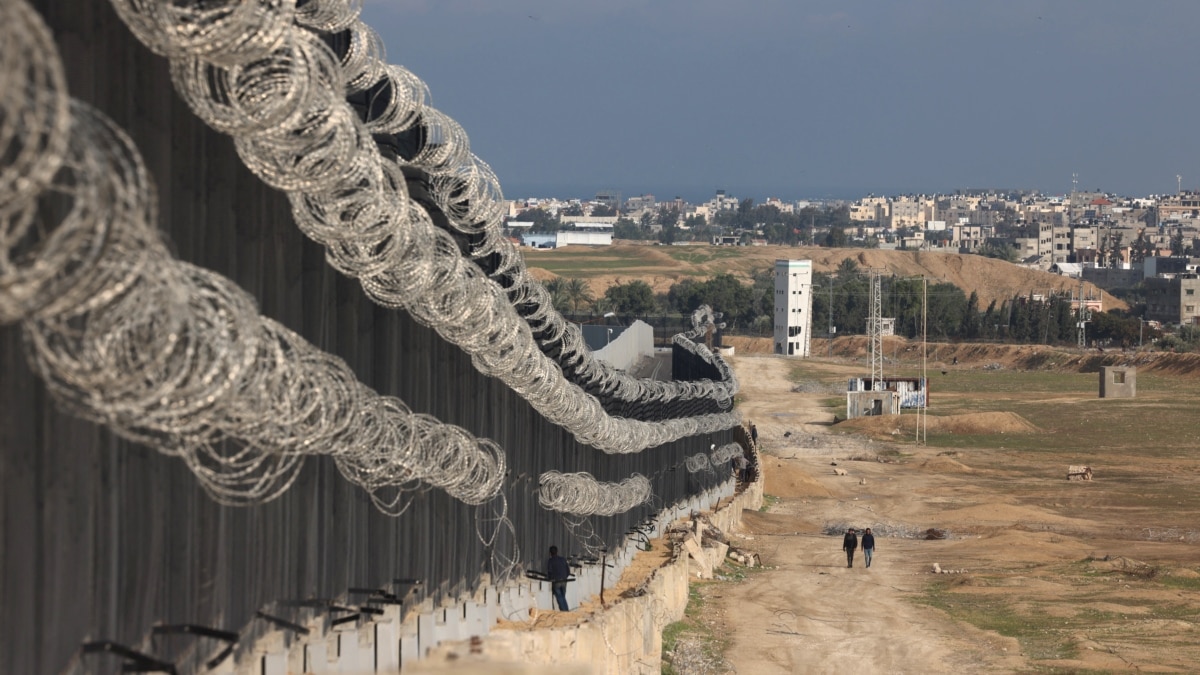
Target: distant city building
609	198
1173	299
793	307
1186	204
639	203
590	222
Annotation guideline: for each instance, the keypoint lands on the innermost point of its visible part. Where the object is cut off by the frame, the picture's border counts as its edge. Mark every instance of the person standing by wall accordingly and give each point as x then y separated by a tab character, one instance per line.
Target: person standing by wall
849	543
868	546
754	434
558	571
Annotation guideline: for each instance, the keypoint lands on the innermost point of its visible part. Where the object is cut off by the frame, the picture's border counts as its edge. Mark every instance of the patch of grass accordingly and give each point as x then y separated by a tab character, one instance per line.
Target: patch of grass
1182	583
732	571
1069	413
688	633
698	255
1041	636
834	402
769	501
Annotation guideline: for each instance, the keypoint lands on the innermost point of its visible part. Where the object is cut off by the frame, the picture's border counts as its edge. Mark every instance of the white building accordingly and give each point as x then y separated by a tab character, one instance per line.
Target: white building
576	238
793	307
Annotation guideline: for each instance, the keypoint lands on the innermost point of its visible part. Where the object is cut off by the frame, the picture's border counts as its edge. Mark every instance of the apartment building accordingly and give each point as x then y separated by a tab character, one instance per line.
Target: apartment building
1174	299
869	210
1184	205
906	212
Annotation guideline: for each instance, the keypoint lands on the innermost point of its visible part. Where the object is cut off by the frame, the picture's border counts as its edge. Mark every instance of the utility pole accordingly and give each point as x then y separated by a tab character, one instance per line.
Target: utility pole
923	410
830	340
1085	315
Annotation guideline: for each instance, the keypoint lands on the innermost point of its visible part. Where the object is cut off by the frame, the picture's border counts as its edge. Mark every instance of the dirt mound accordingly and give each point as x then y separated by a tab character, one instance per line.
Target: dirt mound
662	266
973	423
755	522
1032	546
1004	515
786	480
747	345
946	465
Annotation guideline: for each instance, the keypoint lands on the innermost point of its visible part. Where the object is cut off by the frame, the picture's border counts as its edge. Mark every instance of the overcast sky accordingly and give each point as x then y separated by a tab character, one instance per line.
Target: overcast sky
796	98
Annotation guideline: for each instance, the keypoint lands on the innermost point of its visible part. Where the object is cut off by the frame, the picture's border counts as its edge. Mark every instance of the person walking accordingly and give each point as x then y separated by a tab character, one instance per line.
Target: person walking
754	433
849	543
868	546
558	571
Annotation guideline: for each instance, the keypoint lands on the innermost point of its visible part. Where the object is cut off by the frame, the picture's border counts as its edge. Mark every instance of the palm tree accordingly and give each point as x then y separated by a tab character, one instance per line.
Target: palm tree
558	293
577	291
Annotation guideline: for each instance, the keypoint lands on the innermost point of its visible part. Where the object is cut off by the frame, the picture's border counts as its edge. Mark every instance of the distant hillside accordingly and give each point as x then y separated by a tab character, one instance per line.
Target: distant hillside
661	266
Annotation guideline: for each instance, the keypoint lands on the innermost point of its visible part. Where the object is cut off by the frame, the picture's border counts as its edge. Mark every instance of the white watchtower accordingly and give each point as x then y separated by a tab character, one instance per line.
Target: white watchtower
793	307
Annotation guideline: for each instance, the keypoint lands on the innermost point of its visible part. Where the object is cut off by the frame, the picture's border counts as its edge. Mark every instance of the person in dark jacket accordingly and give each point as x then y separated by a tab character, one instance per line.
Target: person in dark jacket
558	571
754	433
849	543
868	544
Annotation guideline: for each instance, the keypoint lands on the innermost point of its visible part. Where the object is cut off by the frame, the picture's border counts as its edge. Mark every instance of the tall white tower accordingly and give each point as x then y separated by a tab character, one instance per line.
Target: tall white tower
793	307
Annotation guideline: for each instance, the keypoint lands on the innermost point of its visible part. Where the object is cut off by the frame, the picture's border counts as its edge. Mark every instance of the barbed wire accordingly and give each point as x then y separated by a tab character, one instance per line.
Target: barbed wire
282	99
726	452
171	355
698	462
582	495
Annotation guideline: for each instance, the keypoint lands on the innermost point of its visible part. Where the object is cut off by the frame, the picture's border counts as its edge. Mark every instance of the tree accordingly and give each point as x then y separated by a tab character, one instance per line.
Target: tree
668	217
1114	327
847	267
1177	241
627	229
558	293
543	221
998	250
634	299
603	211
1141	247
577	291
684	296
835	238
970	322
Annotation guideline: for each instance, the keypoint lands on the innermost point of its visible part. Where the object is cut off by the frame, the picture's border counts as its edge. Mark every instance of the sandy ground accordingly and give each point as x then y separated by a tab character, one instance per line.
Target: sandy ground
1097	576
1072	560
810	614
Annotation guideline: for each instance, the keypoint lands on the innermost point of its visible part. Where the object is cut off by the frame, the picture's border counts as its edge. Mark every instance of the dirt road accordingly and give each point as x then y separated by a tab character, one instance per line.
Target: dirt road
810	614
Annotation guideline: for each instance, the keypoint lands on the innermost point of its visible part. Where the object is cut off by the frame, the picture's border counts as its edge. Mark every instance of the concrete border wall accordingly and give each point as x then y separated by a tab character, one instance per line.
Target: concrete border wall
633	344
626	637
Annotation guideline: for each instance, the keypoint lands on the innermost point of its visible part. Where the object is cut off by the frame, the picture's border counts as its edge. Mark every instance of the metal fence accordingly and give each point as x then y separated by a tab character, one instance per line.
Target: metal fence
102	539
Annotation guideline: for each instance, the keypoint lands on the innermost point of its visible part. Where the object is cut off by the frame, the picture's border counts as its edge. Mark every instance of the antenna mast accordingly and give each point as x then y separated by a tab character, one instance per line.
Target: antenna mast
1071	206
875	331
